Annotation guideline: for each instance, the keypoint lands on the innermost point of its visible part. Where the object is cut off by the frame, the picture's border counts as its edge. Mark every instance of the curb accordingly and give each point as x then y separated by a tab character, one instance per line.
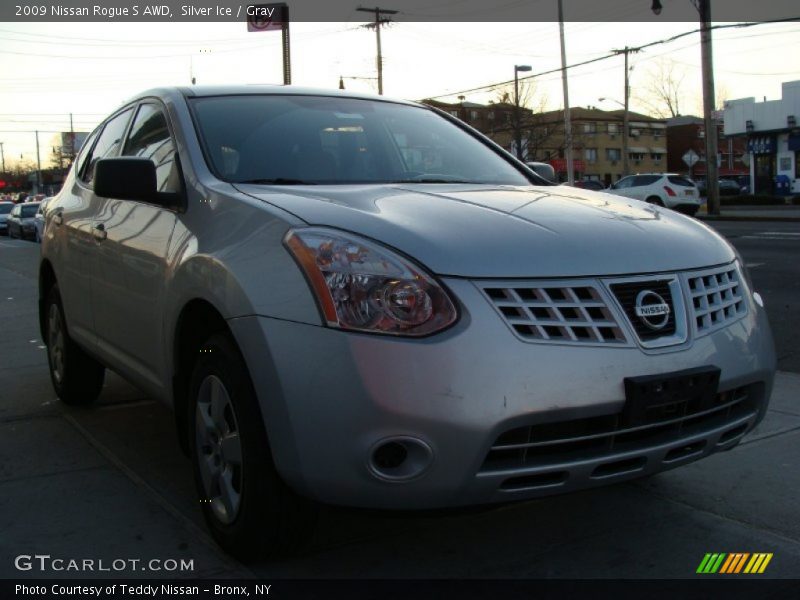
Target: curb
747	218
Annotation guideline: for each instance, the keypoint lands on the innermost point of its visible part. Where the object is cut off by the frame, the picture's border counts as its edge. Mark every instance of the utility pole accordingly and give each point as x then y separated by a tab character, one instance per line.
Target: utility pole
712	171
377	25
71	140
567	116
3	156
625	115
38	166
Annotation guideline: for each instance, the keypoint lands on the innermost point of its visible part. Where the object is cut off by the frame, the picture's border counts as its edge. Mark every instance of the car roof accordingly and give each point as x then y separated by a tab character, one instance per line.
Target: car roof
207	91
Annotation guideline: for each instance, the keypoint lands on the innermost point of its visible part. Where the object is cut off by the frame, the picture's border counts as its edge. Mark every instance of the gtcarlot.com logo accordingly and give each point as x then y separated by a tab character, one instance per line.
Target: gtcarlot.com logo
46	562
734	563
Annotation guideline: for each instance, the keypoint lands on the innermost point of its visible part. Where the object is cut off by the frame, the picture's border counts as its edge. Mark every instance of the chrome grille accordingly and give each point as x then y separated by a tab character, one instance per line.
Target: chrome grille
555	313
717	298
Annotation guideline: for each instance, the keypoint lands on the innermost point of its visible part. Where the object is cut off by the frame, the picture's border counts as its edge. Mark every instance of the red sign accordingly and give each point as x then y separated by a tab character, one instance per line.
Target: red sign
560	165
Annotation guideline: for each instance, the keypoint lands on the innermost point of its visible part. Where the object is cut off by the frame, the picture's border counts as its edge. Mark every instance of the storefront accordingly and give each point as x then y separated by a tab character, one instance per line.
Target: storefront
763	167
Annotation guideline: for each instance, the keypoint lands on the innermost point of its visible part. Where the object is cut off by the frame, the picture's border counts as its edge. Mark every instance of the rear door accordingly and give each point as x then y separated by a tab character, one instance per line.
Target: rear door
131	241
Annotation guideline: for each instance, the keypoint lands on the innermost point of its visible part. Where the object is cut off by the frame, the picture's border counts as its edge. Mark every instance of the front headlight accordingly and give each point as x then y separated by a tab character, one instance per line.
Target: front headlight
362	286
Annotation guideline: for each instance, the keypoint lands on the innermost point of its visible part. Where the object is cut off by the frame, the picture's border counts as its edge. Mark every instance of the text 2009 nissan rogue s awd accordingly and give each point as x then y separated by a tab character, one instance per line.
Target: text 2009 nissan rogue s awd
359	301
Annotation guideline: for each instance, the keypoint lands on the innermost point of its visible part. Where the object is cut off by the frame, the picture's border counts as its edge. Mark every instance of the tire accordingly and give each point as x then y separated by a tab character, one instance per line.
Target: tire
655	200
77	378
249	510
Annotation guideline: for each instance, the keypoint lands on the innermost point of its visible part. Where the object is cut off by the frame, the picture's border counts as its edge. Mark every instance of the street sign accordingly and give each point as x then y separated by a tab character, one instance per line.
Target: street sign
266	17
690	158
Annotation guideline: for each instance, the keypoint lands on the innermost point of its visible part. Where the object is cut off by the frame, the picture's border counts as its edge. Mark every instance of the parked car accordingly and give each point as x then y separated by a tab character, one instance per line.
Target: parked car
38	219
354	300
590	184
663	189
727	187
21	220
5	211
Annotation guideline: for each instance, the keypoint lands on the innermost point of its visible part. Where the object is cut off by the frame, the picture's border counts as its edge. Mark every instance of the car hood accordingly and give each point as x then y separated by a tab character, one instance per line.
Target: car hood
507	231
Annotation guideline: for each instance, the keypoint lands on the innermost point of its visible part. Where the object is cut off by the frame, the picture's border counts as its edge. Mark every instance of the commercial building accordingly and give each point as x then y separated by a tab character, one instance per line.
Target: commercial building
773	139
686	149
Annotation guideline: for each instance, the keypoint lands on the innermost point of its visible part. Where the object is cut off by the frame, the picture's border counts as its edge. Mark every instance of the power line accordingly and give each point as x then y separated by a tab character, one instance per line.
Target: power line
492	86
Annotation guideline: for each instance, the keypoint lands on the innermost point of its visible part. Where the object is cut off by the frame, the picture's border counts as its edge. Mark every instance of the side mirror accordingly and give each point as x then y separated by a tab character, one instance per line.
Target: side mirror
130	178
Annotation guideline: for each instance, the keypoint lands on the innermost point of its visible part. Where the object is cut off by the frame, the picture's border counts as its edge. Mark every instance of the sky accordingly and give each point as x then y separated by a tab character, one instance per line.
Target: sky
49	70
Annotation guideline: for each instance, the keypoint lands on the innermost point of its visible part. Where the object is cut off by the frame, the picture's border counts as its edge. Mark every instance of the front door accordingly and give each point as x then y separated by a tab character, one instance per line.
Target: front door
132	242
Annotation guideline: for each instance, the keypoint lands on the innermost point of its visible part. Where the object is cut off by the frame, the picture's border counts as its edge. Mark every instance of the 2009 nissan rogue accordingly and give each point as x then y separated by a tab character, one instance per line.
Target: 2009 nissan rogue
365	302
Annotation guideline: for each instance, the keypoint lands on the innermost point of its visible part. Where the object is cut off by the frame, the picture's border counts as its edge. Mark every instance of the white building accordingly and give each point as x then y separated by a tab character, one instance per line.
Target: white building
773	139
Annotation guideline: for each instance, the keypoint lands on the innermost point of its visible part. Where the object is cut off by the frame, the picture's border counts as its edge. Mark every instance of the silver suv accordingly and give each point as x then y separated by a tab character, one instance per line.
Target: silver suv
361	301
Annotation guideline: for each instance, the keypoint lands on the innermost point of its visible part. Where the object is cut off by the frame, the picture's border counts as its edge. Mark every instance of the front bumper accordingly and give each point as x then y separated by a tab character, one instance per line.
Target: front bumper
329	397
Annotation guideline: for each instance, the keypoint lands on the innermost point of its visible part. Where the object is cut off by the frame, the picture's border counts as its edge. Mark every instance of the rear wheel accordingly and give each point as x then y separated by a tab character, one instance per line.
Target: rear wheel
250	511
654	200
77	378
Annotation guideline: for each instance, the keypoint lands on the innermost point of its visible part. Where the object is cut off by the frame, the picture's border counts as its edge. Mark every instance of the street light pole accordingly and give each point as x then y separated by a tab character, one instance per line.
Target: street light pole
517	128
707	69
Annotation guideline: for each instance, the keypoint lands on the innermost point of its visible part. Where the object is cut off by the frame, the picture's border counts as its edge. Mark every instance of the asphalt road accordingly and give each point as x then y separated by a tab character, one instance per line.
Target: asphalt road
110	483
771	250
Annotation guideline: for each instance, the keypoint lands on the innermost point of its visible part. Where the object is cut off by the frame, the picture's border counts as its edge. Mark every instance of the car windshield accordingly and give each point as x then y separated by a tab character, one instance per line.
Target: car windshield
5	208
29	210
292	140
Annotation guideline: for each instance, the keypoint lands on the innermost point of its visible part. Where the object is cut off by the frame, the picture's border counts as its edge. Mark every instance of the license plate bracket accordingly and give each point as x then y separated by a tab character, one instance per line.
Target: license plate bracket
654	398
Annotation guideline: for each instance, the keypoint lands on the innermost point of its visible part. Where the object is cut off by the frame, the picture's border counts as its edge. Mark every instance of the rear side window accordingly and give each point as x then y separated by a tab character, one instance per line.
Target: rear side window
678	180
5	208
29	210
150	138
107	143
643	180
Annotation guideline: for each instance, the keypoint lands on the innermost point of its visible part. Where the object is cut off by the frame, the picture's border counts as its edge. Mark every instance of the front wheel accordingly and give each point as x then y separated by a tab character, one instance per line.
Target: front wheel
77	378
250	511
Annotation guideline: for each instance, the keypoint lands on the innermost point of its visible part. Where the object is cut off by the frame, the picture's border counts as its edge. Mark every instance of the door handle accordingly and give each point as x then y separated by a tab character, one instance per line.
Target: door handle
58	219
99	232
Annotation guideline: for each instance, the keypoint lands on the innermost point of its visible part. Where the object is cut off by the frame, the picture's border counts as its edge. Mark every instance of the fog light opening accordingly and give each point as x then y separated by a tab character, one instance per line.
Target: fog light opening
390	456
399	458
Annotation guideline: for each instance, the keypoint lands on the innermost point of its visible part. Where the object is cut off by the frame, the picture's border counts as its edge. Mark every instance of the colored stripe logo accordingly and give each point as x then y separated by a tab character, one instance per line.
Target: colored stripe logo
734	563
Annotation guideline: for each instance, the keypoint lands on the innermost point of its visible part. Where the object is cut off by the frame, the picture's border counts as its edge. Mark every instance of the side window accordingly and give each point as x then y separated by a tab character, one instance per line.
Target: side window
150	138
106	144
84	151
643	180
624	183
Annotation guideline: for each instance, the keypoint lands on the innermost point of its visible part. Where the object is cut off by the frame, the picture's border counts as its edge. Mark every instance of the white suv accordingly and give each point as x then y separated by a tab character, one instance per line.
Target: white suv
664	189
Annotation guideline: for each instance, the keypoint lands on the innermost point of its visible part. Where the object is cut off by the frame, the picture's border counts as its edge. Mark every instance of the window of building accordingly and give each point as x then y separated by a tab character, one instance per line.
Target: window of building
656	158
590	128
490	115
613	128
454	113
473	115
636	156
590	155
613	154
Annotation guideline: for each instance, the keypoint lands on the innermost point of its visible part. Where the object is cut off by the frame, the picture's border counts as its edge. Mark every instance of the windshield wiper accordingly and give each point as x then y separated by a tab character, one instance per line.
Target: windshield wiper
277	181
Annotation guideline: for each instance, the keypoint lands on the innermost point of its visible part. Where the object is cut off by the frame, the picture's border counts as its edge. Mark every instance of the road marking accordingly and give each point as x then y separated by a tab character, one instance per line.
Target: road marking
784	237
753	265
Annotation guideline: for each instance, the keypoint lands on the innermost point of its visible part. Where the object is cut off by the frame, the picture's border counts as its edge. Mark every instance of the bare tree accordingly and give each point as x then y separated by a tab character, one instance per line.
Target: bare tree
532	105
663	91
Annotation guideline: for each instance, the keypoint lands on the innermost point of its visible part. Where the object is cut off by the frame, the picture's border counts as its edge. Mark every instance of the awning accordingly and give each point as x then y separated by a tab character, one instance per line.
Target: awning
637	150
658	150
